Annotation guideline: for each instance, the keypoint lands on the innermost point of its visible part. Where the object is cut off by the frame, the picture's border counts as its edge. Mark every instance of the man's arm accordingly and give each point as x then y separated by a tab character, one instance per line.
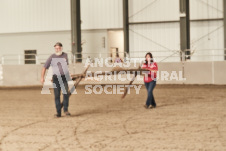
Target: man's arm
46	66
68	67
43	74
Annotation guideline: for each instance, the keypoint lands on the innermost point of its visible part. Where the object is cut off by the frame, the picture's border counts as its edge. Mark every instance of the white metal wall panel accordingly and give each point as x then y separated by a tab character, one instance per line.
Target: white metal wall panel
95	43
13	45
204	9
101	14
153	10
207	41
162	40
34	15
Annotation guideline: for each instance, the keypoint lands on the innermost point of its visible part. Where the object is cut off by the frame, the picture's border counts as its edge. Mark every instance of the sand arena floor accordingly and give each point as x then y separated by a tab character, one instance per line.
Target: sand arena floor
187	117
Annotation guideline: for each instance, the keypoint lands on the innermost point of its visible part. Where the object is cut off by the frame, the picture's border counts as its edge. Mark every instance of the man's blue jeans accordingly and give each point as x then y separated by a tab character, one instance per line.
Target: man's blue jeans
61	84
150	87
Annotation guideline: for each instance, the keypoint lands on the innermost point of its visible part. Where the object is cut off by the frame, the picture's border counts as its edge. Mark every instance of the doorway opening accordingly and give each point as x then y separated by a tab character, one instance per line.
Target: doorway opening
116	44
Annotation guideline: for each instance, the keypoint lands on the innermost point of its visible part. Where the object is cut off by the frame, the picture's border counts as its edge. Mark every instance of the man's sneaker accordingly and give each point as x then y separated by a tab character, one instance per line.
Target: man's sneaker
145	106
151	107
67	113
57	115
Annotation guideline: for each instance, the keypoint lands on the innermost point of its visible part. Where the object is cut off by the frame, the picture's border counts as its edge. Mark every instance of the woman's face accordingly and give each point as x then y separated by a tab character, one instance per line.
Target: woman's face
148	58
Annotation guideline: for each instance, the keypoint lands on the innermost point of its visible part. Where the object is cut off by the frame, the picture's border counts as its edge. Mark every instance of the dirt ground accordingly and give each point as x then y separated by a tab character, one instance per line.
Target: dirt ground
187	118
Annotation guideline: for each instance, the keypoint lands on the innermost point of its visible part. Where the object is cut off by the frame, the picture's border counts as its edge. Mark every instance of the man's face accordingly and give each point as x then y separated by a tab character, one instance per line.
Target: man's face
58	49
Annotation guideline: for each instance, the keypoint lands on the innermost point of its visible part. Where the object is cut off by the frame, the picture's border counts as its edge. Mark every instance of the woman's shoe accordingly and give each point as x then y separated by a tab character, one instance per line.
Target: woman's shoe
67	113
57	115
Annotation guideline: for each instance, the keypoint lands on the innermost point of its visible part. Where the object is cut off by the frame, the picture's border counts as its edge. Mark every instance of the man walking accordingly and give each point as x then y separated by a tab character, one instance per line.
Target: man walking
59	63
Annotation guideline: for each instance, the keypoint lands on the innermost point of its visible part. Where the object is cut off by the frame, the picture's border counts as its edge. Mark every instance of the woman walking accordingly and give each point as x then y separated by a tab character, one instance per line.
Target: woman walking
150	79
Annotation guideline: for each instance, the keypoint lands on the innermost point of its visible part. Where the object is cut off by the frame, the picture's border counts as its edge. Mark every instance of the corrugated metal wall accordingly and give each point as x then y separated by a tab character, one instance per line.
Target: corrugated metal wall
54	15
203	9
101	14
153	10
162	39
34	15
13	45
207	37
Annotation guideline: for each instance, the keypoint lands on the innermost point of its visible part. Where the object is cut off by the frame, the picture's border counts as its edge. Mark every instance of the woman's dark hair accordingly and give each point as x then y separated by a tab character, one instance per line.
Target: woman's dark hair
146	62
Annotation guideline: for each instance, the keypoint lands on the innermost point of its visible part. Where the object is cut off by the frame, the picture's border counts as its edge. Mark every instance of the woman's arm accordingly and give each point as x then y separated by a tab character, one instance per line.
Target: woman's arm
153	70
143	66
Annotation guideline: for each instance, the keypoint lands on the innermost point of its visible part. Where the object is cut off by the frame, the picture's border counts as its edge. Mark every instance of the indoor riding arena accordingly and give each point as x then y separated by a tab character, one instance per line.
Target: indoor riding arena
113	75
